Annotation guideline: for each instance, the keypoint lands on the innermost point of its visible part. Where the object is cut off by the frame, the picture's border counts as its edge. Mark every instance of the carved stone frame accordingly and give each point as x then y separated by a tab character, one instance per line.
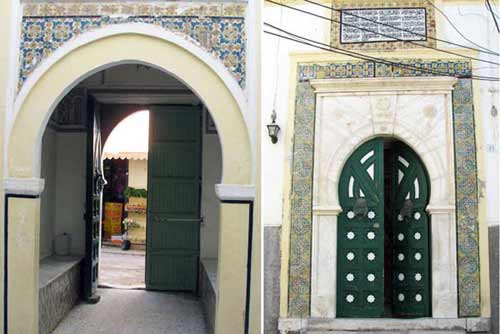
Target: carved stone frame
301	171
384	115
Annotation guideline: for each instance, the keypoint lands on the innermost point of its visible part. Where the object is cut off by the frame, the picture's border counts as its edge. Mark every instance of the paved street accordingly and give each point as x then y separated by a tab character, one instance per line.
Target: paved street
136	311
122	269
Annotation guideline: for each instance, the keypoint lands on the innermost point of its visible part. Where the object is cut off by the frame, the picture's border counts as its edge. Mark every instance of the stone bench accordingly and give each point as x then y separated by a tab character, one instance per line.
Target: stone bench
208	291
59	289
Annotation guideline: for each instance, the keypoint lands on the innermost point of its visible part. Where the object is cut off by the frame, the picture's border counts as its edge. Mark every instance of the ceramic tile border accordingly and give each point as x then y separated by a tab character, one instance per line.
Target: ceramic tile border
302	176
466	200
64	9
45	27
386	46
301	202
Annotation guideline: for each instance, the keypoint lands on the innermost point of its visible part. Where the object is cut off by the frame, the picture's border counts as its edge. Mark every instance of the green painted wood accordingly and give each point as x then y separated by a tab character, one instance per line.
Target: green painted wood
383	257
360	252
410	272
95	184
174	191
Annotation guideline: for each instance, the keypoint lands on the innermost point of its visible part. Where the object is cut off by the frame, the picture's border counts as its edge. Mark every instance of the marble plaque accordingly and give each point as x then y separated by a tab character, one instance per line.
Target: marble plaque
376	25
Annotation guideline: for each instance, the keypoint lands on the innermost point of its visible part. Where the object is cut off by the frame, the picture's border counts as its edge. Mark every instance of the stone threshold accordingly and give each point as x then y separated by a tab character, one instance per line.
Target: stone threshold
337	325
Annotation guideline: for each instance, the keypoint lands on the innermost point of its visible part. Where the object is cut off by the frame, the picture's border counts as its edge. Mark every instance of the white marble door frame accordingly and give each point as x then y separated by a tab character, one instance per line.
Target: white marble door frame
417	111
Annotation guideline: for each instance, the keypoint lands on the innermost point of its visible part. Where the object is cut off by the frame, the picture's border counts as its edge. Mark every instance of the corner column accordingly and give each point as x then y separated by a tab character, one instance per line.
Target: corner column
324	262
234	269
444	261
22	249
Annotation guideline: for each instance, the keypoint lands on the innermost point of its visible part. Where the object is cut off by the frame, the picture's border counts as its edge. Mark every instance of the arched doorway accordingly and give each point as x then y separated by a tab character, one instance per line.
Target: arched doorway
383	254
102	49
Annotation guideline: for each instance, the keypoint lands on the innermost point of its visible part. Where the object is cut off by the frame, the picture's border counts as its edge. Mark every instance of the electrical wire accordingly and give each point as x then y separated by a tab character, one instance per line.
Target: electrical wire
484	50
326	47
275	98
488	5
395	64
363	56
382	34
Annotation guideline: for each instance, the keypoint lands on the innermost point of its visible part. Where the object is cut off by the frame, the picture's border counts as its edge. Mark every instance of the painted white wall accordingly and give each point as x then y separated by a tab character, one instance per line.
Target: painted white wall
476	23
211	175
138	174
63	200
473	20
70	189
275	74
47	205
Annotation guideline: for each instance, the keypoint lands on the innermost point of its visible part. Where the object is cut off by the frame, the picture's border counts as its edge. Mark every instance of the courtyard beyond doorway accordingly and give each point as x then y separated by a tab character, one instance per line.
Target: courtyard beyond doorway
122	269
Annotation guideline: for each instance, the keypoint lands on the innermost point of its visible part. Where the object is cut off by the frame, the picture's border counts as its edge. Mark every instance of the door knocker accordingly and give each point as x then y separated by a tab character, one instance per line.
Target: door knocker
407	209
361	207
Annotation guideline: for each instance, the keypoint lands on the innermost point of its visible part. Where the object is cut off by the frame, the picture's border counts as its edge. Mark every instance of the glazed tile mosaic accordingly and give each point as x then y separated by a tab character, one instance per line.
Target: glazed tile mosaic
218	28
301	199
226	9
385	45
466	200
302	176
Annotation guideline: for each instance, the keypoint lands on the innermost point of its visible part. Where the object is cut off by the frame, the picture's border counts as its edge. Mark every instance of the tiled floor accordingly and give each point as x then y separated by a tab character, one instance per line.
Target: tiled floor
136	311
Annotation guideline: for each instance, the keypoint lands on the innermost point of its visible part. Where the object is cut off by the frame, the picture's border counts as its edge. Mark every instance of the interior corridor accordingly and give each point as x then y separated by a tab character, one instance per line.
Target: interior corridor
136	311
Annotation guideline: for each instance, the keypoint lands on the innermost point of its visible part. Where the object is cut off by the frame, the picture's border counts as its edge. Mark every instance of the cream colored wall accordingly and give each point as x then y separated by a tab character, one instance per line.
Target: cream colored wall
23	251
232	259
9	32
138	174
255	103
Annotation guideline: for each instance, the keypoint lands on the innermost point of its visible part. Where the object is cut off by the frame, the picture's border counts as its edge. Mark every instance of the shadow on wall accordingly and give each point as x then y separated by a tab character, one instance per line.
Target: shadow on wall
494	277
271	278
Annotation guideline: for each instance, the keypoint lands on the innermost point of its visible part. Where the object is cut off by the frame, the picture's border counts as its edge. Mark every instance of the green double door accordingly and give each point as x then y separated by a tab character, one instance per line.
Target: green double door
174	190
383	234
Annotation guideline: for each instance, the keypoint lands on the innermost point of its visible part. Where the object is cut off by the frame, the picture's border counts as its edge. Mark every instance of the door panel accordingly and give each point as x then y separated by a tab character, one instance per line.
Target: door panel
383	234
174	184
93	212
410	226
360	289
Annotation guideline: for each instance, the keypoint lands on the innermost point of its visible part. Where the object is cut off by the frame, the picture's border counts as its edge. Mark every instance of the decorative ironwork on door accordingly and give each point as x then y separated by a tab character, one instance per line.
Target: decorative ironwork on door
95	184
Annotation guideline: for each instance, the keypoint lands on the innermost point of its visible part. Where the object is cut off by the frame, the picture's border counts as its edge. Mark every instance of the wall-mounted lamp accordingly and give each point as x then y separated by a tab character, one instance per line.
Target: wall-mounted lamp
273	129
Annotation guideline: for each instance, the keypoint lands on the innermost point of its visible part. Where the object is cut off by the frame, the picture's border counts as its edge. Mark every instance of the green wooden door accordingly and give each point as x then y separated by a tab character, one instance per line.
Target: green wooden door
360	260
174	184
383	234
95	184
410	234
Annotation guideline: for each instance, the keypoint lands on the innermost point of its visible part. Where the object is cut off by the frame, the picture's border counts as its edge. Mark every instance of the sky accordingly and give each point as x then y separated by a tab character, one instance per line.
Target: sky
130	135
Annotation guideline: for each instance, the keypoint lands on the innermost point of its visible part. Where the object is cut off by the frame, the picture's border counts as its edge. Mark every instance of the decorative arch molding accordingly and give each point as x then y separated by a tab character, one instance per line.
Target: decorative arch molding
233	120
313	211
55	77
430	158
389	119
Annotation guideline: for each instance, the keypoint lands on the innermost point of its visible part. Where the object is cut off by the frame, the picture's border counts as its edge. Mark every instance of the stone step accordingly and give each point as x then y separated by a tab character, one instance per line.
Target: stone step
389	332
384	326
